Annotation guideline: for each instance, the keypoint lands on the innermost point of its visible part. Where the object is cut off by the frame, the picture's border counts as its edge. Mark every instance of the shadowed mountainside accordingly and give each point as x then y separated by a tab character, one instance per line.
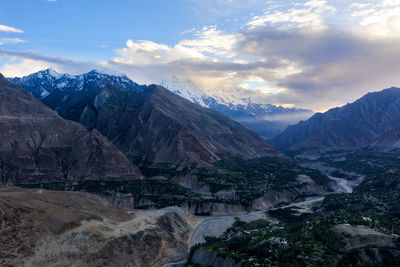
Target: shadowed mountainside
352	126
39	146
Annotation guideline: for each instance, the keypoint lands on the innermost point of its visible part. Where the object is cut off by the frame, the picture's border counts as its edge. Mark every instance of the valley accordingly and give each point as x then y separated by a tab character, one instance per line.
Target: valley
367	205
188	182
209	133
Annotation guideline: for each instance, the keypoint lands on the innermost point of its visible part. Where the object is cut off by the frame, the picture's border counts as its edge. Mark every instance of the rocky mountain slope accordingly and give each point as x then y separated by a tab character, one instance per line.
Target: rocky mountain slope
388	141
153	125
352	126
159	127
52	228
36	145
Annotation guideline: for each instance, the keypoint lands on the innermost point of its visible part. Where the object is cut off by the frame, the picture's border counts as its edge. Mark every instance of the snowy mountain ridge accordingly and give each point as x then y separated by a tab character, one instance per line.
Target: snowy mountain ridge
44	82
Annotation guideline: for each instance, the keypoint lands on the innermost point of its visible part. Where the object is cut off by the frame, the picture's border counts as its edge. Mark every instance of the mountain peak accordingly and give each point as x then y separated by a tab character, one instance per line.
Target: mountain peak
52	73
108	72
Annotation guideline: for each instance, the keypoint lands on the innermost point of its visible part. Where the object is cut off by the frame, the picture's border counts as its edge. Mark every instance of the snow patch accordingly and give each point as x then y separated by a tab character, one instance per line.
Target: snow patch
54	74
108	72
61	85
44	93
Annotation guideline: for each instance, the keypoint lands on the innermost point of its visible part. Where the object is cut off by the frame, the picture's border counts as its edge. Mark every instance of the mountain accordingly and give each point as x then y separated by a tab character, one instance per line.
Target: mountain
352	126
388	141
36	145
151	124
69	94
46	82
265	119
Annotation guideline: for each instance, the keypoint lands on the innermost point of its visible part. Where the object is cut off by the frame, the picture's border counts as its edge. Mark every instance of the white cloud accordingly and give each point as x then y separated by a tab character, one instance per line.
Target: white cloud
148	52
11	41
209	44
4	28
310	15
21	67
212	41
379	18
188	31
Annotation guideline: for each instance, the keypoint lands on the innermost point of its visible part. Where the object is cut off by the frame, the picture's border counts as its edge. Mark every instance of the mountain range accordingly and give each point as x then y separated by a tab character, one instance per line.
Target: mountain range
39	146
371	119
265	119
149	124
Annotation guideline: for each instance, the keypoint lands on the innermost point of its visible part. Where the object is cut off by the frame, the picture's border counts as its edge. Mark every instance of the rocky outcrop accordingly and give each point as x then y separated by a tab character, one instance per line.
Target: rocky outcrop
49	228
206	258
358	236
272	197
38	146
352	126
192	183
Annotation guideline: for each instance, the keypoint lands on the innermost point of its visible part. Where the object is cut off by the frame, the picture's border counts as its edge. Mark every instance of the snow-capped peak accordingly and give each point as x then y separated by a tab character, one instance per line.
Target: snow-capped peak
43	83
108	72
53	73
186	89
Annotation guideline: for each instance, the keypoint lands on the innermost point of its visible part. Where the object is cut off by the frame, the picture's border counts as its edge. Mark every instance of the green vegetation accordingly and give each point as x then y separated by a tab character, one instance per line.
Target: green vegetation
252	178
309	239
300	243
249	179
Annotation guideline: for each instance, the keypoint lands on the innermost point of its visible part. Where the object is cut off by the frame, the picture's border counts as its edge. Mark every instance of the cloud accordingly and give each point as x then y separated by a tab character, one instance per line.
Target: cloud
212	41
309	54
148	52
379	18
312	16
188	31
11	41
17	64
4	28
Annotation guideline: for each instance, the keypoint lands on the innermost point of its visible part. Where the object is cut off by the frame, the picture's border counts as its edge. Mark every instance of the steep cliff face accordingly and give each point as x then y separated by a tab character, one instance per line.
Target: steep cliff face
36	145
49	228
352	126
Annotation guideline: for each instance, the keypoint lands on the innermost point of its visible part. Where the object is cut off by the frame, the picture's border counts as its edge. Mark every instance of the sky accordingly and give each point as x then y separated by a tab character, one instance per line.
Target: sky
310	54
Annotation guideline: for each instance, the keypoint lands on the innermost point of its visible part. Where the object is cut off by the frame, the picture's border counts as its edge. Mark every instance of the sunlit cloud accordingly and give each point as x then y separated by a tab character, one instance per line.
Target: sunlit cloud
4	28
311	16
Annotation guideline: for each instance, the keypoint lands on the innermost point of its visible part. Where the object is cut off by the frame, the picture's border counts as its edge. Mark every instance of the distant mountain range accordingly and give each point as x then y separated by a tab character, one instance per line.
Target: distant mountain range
374	120
265	119
149	124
